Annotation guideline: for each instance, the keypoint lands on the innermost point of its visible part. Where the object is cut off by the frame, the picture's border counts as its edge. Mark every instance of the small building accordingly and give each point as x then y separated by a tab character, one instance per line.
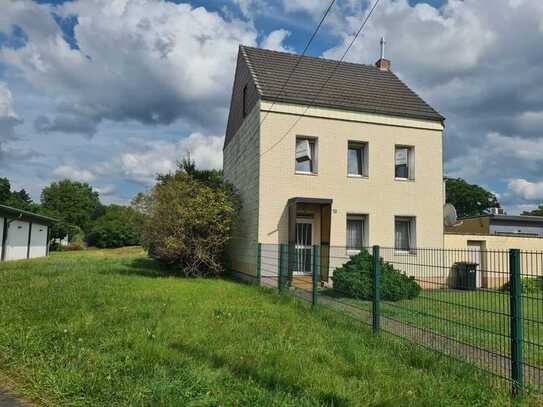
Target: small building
486	236
24	235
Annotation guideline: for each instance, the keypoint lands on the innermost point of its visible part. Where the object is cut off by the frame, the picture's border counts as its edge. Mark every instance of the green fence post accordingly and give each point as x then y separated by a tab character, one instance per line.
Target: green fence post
515	302
315	273
376	273
259	263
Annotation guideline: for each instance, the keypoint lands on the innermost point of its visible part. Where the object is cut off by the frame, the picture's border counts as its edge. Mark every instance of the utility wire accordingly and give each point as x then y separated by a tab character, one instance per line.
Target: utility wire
327	80
302	54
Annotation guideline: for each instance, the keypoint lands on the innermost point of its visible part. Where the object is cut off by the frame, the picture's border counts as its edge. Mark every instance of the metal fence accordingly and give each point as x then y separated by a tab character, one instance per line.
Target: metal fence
482	307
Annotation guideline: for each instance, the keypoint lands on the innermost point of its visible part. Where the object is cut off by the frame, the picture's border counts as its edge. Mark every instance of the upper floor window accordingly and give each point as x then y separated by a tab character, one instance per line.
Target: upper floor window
357	162
404	162
306	155
244	101
404	233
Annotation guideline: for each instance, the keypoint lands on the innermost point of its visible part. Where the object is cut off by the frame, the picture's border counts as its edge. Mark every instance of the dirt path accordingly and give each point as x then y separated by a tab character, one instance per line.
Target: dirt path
8	400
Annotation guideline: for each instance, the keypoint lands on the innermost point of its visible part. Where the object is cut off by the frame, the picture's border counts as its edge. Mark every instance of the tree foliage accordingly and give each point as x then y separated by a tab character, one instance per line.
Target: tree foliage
118	226
190	220
534	212
16	199
74	203
469	199
354	279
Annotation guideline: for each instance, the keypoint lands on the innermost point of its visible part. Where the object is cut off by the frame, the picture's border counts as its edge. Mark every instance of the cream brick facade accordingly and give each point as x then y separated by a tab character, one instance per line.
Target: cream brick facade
379	195
260	162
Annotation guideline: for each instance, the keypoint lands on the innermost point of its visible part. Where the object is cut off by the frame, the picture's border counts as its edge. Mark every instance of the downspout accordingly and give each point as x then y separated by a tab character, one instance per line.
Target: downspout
5	236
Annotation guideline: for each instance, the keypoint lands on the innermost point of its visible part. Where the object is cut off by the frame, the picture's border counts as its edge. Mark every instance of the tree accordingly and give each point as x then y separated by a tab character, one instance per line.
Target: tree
5	190
534	212
469	199
190	220
118	226
74	203
16	199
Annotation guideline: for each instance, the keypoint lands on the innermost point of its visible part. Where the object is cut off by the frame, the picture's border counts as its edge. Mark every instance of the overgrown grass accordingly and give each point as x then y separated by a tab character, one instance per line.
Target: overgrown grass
110	327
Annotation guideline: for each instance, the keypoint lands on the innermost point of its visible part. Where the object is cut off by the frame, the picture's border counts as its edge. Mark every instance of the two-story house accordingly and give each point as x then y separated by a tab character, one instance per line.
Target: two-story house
342	155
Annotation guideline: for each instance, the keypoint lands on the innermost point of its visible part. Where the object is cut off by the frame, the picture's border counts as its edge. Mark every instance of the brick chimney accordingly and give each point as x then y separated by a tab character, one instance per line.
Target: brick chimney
382	63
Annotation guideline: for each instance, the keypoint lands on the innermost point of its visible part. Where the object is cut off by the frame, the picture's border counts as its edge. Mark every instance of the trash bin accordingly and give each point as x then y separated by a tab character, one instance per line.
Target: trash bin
465	276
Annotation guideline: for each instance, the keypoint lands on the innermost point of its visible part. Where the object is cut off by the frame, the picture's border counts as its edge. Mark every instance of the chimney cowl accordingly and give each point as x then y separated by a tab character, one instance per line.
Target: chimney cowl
383	64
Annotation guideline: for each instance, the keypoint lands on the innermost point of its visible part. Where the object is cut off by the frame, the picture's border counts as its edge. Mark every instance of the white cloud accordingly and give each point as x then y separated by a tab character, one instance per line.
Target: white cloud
275	39
73	173
531	121
147	60
106	190
526	189
8	122
313	7
147	159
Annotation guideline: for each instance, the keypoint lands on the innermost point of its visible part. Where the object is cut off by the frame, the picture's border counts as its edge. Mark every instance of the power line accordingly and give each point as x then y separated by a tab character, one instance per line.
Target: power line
327	80
302	54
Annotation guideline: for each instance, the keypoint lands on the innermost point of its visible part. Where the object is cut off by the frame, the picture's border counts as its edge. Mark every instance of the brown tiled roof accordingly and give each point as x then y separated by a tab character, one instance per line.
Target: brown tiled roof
352	86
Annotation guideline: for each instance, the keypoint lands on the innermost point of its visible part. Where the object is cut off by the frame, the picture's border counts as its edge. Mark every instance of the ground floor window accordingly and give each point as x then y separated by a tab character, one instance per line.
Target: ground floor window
356	232
404	233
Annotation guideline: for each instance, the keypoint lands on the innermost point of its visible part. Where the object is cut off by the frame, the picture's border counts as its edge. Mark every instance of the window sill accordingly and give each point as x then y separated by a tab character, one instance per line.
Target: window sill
352	252
409	252
305	173
404	179
357	176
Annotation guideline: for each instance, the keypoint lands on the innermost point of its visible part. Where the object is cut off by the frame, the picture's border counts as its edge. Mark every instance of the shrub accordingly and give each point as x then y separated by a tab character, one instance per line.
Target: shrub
354	279
189	221
119	226
529	285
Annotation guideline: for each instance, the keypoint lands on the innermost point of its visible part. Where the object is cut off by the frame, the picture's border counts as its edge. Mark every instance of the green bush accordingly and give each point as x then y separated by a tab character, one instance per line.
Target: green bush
119	226
530	285
354	279
190	218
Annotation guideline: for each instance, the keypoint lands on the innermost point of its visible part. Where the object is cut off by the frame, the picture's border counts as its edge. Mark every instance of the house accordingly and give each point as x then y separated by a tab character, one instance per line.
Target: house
486	236
24	235
343	156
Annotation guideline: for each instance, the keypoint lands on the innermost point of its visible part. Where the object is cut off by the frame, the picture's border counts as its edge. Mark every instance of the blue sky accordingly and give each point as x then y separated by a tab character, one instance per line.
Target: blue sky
112	93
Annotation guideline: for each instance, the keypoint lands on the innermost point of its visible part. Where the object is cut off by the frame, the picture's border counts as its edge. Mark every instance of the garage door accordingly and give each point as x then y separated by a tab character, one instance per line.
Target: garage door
17	240
38	240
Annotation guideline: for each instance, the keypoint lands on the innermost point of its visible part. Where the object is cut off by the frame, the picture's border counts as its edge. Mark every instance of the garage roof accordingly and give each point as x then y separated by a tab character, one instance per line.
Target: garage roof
8	211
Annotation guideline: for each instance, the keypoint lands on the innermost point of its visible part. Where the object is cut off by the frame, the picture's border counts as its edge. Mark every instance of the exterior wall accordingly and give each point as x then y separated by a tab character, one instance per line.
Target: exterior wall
17	241
38	241
494	258
241	168
511	227
479	225
379	196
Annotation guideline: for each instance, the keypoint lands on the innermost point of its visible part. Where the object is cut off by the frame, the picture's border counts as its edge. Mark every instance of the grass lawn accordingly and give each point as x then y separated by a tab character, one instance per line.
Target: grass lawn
109	327
475	317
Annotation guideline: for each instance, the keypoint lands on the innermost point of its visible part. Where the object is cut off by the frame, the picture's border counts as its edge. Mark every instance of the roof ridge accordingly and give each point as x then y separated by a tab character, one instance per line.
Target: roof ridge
294	54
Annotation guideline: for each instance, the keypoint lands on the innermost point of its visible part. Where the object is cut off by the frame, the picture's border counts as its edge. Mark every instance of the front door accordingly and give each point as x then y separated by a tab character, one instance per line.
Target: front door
474	249
303	246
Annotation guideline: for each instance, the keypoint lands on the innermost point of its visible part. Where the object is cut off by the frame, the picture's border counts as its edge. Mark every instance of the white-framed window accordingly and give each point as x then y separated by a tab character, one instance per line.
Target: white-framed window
357	159
356	232
404	162
404	233
306	155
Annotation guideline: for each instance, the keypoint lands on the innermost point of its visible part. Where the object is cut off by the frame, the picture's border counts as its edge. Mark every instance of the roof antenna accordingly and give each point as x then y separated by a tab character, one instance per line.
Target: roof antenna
383	42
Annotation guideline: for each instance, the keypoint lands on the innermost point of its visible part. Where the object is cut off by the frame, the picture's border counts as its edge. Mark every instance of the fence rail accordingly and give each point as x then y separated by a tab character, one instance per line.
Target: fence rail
484	307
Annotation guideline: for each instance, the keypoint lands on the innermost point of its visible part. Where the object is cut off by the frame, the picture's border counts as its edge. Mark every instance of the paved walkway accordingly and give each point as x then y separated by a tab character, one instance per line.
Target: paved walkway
7	400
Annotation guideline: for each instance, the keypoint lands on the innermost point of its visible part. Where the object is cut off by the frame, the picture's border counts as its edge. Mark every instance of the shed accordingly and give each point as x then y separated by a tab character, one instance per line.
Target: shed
24	235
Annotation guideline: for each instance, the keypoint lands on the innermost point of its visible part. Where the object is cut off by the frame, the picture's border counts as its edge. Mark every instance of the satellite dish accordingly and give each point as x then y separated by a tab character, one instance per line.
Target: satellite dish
449	215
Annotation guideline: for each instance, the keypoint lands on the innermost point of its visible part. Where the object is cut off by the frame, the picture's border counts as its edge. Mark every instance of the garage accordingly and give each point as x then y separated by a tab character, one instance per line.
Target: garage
24	235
